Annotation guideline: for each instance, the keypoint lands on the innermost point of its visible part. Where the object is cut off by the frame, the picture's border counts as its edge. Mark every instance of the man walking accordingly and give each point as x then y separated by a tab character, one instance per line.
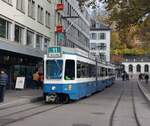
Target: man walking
3	83
146	78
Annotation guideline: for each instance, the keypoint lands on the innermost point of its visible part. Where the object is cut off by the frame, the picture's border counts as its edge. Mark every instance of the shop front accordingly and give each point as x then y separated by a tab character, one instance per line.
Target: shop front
19	65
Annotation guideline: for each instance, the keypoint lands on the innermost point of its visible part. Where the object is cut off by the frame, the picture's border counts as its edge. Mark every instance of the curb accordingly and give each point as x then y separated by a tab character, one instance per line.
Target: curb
21	102
145	92
36	99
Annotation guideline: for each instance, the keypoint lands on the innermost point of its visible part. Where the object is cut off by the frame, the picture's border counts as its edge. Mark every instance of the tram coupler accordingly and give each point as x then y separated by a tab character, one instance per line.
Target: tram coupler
51	98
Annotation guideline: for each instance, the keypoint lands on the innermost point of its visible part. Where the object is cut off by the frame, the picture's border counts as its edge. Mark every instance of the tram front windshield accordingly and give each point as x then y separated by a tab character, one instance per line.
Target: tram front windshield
54	69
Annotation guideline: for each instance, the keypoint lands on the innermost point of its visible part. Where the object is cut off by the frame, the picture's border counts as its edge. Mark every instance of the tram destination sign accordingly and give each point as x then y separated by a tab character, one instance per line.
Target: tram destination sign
54	52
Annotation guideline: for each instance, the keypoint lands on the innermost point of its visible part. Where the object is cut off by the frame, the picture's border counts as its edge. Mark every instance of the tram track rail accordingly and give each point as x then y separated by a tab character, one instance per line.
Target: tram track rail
28	109
115	108
134	108
36	112
16	105
111	121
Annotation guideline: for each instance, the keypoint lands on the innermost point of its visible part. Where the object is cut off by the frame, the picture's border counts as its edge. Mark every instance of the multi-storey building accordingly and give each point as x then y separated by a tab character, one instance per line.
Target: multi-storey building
25	34
72	25
100	41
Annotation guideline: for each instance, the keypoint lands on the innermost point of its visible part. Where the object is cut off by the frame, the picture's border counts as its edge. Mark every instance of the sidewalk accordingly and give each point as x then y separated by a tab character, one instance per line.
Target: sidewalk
13	97
145	88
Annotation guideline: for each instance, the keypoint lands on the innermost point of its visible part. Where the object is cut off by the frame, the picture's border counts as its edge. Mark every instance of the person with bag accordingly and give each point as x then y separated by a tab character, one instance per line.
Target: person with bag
41	79
36	79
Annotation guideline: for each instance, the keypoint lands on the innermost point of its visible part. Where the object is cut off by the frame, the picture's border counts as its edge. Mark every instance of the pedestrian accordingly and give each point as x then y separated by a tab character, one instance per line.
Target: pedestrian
3	83
122	75
140	77
35	79
127	76
41	79
146	78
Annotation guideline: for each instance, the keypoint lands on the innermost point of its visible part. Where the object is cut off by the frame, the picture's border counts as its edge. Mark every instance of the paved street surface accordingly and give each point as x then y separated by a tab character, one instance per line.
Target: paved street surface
146	86
95	110
20	96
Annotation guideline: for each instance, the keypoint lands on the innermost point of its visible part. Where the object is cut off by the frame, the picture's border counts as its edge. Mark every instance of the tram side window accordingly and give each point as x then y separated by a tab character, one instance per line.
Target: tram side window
106	72
90	70
110	72
78	69
93	71
85	70
70	70
102	72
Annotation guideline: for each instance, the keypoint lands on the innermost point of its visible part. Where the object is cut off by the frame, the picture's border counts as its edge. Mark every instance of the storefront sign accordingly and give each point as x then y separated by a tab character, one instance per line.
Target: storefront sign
20	83
60	39
59	7
58	29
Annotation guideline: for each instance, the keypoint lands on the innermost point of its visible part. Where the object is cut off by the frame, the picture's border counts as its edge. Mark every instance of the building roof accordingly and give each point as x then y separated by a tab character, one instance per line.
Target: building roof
137	59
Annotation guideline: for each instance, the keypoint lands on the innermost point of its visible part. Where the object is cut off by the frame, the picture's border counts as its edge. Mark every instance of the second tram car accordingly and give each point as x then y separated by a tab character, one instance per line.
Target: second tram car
70	74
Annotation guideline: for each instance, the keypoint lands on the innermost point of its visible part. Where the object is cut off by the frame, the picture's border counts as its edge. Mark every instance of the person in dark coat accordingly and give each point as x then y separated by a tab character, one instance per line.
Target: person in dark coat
140	77
146	78
3	83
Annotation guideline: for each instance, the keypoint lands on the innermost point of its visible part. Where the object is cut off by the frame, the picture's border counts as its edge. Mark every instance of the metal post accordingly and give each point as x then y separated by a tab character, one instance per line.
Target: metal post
65	37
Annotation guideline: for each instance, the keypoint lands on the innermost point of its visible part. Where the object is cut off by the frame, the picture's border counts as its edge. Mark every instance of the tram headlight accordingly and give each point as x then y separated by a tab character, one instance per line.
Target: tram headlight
69	87
53	88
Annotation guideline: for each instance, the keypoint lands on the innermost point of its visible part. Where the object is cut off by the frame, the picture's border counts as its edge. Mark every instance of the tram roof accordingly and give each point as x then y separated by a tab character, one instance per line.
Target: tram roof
82	53
77	51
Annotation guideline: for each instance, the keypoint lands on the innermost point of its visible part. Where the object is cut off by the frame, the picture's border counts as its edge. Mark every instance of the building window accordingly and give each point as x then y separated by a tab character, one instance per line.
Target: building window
31	8
4	29
138	68
146	68
46	43
40	14
130	68
101	36
18	34
93	46
102	56
21	5
39	41
8	1
101	46
47	19
93	36
30	38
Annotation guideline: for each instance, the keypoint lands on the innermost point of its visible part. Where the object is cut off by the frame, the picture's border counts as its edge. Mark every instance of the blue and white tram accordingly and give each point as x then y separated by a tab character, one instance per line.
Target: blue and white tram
69	74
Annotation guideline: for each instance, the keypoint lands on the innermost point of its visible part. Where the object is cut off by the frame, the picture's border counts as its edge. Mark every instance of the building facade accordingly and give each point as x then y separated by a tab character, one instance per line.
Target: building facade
134	68
72	26
25	34
100	41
